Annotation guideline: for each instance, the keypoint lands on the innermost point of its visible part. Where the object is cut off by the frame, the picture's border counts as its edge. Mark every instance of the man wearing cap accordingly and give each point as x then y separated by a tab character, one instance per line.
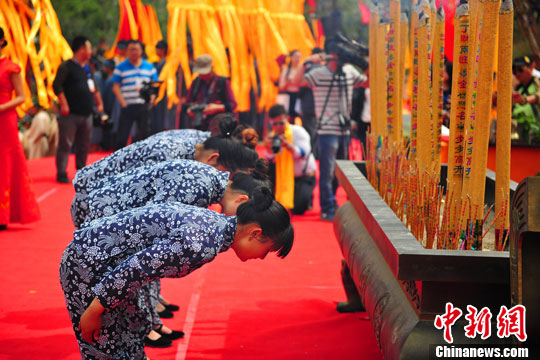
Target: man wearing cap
129	79
210	90
526	99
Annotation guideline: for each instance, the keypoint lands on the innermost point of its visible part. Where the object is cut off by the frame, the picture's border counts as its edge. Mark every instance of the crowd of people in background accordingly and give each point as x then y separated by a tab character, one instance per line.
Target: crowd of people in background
104	104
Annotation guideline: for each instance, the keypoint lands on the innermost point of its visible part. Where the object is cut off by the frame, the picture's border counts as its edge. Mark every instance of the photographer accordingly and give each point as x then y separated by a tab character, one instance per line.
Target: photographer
333	86
208	95
288	150
131	79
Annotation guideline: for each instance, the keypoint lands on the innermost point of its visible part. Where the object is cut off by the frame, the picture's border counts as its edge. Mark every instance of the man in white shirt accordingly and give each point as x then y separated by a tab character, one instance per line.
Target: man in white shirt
303	159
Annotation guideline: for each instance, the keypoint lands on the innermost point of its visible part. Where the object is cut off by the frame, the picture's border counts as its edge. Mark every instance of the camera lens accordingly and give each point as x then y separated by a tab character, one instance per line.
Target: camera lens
276	144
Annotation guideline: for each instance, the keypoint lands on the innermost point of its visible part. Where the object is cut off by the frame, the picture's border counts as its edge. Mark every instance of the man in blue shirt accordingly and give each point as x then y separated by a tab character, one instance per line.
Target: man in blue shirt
129	78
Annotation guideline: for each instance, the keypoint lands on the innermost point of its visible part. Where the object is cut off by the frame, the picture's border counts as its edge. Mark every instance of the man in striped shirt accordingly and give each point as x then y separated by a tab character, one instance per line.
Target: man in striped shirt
333	100
129	77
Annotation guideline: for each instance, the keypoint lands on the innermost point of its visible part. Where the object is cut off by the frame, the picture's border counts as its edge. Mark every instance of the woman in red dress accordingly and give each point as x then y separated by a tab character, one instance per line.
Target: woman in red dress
17	200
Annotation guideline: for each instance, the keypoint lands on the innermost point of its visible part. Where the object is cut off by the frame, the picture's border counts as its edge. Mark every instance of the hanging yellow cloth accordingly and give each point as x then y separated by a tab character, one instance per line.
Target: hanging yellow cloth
285	172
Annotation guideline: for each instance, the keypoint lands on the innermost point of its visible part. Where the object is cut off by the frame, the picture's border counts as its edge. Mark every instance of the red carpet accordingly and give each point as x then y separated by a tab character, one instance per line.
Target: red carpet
271	309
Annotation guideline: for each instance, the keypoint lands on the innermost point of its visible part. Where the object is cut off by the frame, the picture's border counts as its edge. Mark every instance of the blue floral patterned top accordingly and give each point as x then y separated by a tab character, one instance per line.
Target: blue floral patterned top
167	145
198	135
186	181
147	243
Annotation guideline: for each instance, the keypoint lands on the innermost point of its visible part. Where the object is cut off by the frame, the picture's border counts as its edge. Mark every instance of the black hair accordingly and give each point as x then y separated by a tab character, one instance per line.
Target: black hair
78	42
3	37
271	216
233	155
276	110
162	45
222	121
122	44
135	42
449	69
316	50
94	60
331	44
247	183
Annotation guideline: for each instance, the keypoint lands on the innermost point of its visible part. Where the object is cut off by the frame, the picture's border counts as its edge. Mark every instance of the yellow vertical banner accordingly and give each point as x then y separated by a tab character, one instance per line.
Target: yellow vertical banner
393	70
374	93
414	83
437	88
35	42
504	122
381	75
424	99
235	43
488	40
458	101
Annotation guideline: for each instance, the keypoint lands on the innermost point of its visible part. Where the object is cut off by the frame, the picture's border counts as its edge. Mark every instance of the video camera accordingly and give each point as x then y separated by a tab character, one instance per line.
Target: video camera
148	89
198	114
100	119
276	144
347	51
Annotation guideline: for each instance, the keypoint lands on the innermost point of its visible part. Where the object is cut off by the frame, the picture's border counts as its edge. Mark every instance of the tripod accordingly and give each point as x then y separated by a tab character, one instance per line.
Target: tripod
344	121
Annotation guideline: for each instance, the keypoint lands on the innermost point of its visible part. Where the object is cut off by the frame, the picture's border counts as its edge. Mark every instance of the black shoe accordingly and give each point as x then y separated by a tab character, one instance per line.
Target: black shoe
162	342
171	307
175	335
3	227
63	179
165	314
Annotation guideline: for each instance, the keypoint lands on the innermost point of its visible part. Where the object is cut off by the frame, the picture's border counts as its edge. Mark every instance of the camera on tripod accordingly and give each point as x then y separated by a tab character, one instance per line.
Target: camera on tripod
198	114
149	89
276	144
347	51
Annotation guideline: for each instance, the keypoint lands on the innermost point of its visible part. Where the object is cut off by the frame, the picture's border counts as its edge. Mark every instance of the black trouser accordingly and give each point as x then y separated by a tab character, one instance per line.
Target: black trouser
309	119
303	190
136	113
73	130
303	194
362	134
293	96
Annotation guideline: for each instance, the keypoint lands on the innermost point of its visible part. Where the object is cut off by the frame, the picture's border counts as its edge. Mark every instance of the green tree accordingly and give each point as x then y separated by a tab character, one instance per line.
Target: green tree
350	17
98	19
